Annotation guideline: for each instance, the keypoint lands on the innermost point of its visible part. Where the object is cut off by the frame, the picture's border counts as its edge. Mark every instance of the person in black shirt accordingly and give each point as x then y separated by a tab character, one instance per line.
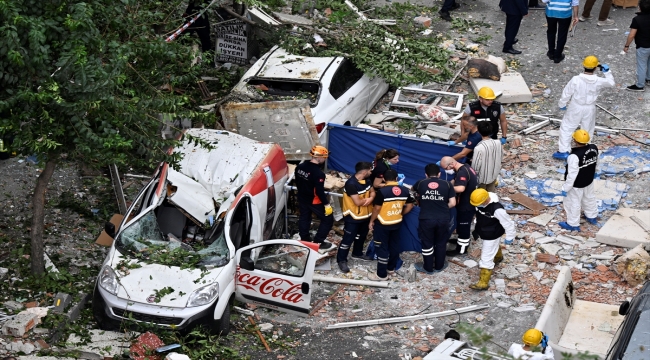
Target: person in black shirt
473	139
310	181
358	196
640	33
383	161
464	183
435	197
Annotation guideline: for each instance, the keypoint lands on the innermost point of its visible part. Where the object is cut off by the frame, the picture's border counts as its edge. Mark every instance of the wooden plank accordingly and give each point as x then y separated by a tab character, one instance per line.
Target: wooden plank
522	212
527	202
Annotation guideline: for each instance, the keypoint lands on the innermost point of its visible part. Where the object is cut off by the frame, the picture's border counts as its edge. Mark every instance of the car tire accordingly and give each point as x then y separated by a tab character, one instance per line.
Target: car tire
278	227
222	326
99	313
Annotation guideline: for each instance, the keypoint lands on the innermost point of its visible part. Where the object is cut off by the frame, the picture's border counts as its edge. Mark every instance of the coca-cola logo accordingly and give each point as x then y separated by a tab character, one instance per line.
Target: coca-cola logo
277	288
433	185
396	190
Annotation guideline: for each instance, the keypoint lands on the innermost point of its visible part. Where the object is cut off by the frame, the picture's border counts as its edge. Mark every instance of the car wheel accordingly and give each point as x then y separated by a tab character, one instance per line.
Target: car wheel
278	227
99	313
222	326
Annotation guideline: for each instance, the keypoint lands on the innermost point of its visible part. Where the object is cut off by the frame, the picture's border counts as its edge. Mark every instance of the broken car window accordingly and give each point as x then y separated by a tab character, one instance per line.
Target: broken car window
283	259
278	90
144	240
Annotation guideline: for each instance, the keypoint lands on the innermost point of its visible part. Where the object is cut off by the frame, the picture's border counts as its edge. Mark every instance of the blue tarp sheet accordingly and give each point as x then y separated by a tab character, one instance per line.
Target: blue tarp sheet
549	192
349	145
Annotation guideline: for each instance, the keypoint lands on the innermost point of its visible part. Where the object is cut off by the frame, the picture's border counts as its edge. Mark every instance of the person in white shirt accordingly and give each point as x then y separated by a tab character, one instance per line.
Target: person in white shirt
532	338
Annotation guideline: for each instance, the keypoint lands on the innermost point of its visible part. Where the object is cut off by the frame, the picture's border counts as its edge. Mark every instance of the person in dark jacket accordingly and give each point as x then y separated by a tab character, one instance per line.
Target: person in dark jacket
515	11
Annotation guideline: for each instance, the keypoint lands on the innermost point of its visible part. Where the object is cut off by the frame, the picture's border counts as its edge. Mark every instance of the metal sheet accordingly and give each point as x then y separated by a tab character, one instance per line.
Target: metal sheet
396	102
288	123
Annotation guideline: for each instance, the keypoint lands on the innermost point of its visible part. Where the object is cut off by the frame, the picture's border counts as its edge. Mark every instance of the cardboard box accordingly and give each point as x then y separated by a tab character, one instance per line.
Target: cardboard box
104	239
626	3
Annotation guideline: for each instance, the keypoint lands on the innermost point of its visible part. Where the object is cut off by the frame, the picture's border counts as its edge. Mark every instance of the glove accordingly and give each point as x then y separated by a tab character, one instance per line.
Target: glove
544	341
604	68
504	141
328	210
400	179
464	143
563	108
508	242
563	193
451	143
438	163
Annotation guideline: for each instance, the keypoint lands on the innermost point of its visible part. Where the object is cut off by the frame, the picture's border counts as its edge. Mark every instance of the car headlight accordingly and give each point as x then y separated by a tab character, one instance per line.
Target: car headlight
203	295
108	279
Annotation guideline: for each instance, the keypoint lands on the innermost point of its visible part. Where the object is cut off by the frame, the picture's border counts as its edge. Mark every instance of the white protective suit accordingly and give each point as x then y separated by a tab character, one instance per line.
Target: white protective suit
577	198
583	91
517	351
491	246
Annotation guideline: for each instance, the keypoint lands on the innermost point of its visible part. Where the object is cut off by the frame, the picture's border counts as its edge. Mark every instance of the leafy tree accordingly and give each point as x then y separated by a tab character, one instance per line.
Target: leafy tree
88	80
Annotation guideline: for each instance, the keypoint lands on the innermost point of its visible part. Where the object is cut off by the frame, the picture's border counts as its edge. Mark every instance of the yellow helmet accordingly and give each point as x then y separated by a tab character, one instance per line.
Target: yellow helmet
486	93
319	151
532	337
478	197
590	62
581	136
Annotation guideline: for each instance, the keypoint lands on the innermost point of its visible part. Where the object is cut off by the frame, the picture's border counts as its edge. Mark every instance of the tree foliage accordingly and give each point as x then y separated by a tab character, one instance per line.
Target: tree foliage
86	79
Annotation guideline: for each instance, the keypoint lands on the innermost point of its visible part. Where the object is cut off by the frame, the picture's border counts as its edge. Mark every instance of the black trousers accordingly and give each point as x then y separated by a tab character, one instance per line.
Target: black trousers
446	6
557	28
512	28
433	236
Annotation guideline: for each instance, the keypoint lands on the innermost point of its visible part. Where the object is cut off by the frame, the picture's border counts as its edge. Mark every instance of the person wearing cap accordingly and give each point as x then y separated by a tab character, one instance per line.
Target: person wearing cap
464	183
435	198
532	339
582	90
487	109
492	221
391	202
578	184
358	196
310	182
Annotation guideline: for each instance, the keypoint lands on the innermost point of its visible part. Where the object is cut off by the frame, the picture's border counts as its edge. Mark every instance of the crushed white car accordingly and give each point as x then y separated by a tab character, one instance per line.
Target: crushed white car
338	91
196	238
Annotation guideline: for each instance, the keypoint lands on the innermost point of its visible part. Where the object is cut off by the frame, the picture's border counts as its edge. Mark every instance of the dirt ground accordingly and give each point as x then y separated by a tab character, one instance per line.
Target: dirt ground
70	233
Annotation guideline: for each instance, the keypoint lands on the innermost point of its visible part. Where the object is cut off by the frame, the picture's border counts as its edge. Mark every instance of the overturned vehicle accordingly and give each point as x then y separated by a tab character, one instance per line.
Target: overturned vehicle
195	239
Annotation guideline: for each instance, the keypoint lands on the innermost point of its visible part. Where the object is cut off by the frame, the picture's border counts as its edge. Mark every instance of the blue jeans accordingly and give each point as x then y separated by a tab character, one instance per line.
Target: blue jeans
642	66
354	233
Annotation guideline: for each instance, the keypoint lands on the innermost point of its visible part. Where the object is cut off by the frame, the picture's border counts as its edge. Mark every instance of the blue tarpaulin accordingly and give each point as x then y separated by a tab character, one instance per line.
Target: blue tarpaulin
549	192
621	159
349	145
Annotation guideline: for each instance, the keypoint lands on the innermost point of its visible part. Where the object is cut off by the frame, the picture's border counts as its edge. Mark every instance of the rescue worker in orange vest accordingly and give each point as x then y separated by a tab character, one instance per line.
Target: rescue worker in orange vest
492	222
358	195
310	181
391	202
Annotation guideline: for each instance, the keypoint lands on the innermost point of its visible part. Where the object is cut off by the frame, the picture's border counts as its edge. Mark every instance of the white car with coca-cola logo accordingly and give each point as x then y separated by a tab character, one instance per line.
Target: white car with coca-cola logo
196	238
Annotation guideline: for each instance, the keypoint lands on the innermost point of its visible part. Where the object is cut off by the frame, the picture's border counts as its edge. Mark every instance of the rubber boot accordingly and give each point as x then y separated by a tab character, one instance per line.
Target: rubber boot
498	257
483	281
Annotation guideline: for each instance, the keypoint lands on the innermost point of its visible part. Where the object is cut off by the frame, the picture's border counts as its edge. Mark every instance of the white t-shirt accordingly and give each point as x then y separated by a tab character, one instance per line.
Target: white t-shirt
518	352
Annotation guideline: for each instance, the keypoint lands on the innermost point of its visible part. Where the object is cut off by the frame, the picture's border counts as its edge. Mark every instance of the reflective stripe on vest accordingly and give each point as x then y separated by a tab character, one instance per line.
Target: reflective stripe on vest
350	208
559	9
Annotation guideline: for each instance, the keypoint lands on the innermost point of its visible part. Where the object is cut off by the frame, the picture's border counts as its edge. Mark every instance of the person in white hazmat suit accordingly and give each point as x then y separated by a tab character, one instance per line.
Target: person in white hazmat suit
583	91
578	187
492	222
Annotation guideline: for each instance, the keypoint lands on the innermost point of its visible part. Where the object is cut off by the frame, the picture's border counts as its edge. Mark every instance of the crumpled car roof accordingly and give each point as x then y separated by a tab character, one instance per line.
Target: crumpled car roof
282	65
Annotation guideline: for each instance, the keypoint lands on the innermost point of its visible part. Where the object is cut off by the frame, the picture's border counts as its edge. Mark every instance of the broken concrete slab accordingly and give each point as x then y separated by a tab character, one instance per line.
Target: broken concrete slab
550	248
20	324
633	265
567	240
621	230
102	343
512	86
542	219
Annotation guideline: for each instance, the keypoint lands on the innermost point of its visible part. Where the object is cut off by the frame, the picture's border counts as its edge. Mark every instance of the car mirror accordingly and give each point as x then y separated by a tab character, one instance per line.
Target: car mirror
305	288
109	227
246	263
624	308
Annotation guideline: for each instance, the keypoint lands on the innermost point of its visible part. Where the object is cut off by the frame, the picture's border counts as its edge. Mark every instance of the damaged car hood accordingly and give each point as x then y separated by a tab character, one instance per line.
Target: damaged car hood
207	178
146	284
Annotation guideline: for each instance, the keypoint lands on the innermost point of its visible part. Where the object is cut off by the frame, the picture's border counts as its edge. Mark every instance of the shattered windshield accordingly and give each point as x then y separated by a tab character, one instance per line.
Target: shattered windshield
144	240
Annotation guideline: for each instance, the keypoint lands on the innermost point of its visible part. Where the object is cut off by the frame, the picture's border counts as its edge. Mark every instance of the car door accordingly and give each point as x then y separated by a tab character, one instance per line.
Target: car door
351	89
280	277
